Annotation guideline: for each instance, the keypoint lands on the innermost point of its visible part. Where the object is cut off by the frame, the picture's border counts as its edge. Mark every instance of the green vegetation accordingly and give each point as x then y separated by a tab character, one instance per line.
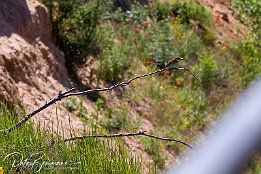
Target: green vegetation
188	10
250	61
249	12
34	148
208	70
153	148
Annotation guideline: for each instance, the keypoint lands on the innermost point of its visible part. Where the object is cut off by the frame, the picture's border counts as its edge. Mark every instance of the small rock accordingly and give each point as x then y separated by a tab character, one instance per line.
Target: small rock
224	16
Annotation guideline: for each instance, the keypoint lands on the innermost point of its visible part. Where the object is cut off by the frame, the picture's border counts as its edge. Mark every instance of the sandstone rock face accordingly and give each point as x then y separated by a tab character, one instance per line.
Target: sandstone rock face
32	69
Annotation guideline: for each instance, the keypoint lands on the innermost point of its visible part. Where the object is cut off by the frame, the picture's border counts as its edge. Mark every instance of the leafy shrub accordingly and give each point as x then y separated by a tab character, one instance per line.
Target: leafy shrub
194	104
208	37
117	119
155	90
250	14
250	58
75	23
161	10
189	10
159	45
185	42
115	123
70	104
113	63
138	13
153	148
208	70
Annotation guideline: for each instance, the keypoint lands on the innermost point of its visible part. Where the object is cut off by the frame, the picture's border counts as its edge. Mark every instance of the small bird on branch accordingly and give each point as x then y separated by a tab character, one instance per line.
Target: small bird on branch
174	61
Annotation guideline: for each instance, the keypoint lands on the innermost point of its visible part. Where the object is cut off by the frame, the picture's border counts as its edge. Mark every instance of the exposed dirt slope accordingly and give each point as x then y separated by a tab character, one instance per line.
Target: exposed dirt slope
32	69
228	28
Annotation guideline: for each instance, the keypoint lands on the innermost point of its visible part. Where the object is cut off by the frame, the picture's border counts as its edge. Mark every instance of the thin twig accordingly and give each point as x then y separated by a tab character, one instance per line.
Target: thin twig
70	92
28	116
193	75
141	133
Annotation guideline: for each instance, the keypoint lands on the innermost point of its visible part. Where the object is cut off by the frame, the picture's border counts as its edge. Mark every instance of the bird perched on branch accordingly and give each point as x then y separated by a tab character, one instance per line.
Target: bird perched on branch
174	61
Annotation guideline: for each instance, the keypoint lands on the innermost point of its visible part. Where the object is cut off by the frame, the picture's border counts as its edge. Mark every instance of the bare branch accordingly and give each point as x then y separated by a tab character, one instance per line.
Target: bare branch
193	75
28	116
142	133
70	92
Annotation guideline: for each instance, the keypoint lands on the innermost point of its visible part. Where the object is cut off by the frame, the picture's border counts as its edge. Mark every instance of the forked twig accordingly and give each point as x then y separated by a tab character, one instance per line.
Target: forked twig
70	92
142	133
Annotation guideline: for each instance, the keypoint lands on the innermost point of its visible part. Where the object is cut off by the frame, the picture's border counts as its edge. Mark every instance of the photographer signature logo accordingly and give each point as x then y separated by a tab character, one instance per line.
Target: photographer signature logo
36	162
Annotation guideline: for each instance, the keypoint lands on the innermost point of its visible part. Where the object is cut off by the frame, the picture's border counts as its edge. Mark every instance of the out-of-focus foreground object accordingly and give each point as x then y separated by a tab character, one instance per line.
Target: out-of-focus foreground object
231	142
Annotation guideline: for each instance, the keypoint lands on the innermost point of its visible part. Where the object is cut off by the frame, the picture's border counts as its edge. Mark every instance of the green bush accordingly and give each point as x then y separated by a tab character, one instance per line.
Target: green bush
250	58
161	10
185	42
70	104
114	58
153	148
189	10
159	45
249	11
75	23
194	103
208	70
115	123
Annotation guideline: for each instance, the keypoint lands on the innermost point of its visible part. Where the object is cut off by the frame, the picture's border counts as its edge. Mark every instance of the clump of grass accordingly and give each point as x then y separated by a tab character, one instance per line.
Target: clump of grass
153	148
32	148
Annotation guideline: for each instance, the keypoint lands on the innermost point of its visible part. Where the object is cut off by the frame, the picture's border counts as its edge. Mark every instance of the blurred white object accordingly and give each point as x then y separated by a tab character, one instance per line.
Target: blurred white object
231	142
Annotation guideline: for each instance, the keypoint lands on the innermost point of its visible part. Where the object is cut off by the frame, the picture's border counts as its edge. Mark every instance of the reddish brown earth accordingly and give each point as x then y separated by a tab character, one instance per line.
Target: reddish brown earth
32	69
228	28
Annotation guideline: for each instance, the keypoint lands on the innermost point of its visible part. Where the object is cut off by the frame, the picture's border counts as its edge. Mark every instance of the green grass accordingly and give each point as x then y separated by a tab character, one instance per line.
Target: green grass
31	149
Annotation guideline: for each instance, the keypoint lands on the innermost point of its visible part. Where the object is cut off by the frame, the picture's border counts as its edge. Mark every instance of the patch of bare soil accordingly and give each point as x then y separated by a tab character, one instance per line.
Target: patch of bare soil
228	28
32	69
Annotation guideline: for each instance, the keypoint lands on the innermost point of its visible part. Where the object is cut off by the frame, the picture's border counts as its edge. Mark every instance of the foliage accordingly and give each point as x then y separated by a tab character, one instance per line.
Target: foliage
185	42
188	10
193	13
161	10
36	148
249	59
207	69
70	104
249	11
159	44
153	148
74	25
155	40
114	58
194	106
115	123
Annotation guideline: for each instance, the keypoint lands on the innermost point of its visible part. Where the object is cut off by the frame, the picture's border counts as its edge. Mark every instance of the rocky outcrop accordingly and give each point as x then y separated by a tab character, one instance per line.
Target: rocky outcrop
32	69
